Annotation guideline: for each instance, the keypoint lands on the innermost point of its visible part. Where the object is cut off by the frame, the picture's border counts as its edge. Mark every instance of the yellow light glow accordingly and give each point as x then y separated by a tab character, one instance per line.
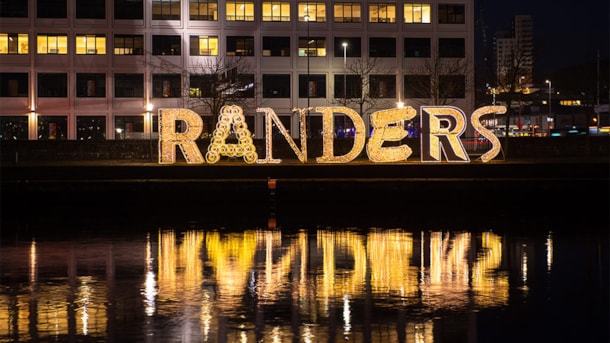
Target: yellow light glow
388	125
328	130
169	138
495	142
270	118
231	116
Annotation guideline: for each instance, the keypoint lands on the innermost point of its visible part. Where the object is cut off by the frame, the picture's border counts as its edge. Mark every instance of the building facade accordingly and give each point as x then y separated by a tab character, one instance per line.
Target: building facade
101	69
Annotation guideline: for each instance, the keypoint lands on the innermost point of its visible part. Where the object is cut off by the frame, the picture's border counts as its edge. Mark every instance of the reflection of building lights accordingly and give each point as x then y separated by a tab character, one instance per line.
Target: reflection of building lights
347	313
524	266
549	252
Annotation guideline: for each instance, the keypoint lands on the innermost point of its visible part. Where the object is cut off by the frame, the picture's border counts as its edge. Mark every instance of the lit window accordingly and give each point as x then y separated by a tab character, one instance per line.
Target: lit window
382	13
52	44
347	12
90	45
14	43
240	11
276	11
312	11
417	13
204	46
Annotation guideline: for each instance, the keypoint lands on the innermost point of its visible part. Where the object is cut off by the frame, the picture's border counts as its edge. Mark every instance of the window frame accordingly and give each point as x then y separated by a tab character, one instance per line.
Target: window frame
382	7
195	46
279	14
203	10
425	13
350	7
232	12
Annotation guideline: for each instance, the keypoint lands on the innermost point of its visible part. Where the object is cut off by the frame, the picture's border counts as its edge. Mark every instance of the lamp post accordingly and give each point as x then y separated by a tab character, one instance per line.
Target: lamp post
519	125
149	108
549	83
344	73
308	81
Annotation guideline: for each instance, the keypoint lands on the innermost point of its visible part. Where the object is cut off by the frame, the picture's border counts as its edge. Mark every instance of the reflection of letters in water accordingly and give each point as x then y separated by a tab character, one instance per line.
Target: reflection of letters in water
441	128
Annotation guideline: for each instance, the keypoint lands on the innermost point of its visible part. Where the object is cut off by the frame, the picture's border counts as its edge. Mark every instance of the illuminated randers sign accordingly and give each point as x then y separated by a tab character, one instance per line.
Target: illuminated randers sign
441	127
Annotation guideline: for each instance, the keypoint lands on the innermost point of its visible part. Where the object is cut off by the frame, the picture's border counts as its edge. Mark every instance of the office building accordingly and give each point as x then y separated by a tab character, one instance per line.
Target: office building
101	69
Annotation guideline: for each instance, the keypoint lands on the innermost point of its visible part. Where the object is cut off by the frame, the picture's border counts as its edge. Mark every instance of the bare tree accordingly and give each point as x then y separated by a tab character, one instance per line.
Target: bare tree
218	82
437	79
358	90
511	68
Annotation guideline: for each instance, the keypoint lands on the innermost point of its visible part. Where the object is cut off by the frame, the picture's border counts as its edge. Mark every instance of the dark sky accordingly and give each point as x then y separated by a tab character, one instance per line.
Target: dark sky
566	32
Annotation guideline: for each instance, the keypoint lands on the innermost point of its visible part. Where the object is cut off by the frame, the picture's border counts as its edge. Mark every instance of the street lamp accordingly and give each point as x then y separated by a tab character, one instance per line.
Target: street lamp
519	125
549	83
344	73
149	108
308	81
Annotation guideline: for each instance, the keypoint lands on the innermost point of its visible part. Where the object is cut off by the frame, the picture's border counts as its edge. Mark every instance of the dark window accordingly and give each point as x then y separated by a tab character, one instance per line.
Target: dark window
231	84
452	86
276	46
166	45
317	86
352	49
245	86
51	8
451	14
417	47
13	9
312	46
90	128
129	127
14	84
203	10
167	86
90	9
240	46
417	86
128	44
52	127
348	86
166	9
128	85
201	85
128	9
91	85
451	47
52	85
14	128
276	86
382	47
382	86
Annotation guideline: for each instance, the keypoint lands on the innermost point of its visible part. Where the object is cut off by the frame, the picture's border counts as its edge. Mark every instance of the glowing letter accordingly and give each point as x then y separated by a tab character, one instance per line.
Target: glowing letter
388	125
169	138
437	137
495	142
271	117
328	135
231	115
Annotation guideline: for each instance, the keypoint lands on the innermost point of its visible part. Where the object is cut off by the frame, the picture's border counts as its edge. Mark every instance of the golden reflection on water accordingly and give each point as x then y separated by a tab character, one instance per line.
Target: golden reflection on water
214	284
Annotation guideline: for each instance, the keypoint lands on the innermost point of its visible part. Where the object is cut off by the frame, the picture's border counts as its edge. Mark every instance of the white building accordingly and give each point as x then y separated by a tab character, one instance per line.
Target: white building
87	69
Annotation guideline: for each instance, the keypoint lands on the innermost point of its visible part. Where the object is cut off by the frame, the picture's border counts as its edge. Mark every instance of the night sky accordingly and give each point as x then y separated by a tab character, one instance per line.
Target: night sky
566	32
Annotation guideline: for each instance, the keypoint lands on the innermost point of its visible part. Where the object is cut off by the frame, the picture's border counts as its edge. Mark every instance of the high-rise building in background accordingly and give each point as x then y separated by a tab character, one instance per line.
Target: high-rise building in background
95	69
514	52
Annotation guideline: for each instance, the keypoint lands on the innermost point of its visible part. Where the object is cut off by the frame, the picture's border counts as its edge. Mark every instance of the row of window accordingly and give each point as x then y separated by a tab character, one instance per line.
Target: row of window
271	11
202	45
205	85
